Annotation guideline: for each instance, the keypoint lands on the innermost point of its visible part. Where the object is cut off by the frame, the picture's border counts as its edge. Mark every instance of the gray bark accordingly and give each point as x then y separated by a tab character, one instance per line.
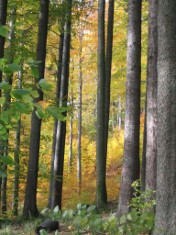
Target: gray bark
17	157
71	133
56	121
79	112
143	167
101	195
151	111
3	16
30	207
131	164
61	127
6	105
166	127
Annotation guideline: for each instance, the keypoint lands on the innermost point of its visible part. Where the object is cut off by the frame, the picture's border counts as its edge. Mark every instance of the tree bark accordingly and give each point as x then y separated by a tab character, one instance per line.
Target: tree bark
56	121
166	127
6	105
151	111
61	127
30	207
79	176
131	163
101	194
3	16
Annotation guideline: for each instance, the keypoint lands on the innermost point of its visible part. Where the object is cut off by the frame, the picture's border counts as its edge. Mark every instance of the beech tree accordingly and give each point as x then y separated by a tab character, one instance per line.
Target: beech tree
131	164
166	127
151	102
30	206
61	126
3	16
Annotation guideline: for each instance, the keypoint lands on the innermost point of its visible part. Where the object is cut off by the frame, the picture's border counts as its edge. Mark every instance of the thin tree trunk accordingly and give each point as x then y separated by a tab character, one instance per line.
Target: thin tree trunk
3	16
6	105
120	111
56	121
131	163
71	133
143	168
108	71
166	124
61	127
17	158
101	195
30	206
151	112
79	113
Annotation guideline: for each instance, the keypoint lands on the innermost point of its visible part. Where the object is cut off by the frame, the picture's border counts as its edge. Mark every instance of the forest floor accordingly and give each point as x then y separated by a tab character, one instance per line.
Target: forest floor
28	227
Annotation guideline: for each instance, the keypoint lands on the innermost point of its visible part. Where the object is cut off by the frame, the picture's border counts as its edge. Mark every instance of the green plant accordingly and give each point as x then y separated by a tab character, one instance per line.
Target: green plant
140	219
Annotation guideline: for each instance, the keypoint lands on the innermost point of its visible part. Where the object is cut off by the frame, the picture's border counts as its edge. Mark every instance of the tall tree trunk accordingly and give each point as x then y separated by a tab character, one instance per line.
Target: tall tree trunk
131	164
17	157
151	112
71	133
143	168
61	127
30	207
79	112
166	124
3	16
119	117
101	195
56	121
6	105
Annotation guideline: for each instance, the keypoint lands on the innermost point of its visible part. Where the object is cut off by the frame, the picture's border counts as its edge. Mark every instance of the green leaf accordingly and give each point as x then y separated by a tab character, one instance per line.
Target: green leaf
40	113
2	172
3	31
7	160
19	93
13	67
55	112
44	85
5	86
2	100
35	71
123	219
22	108
91	208
34	94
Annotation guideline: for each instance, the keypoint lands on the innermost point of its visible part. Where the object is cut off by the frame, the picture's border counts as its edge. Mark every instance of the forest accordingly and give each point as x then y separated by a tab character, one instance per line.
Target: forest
88	117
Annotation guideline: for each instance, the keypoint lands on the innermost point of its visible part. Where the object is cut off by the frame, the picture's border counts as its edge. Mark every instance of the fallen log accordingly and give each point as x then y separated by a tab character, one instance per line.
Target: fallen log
48	225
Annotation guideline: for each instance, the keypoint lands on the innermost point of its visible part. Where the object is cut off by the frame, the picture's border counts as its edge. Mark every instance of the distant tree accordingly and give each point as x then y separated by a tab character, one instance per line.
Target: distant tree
131	163
79	176
3	16
61	126
30	207
165	218
8	78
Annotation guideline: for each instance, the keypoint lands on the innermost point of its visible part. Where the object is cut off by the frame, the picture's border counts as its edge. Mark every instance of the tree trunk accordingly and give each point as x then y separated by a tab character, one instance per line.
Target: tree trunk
143	168
151	111
30	207
61	127
131	164
17	157
6	105
166	127
3	16
101	195
79	112
71	133
56	121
